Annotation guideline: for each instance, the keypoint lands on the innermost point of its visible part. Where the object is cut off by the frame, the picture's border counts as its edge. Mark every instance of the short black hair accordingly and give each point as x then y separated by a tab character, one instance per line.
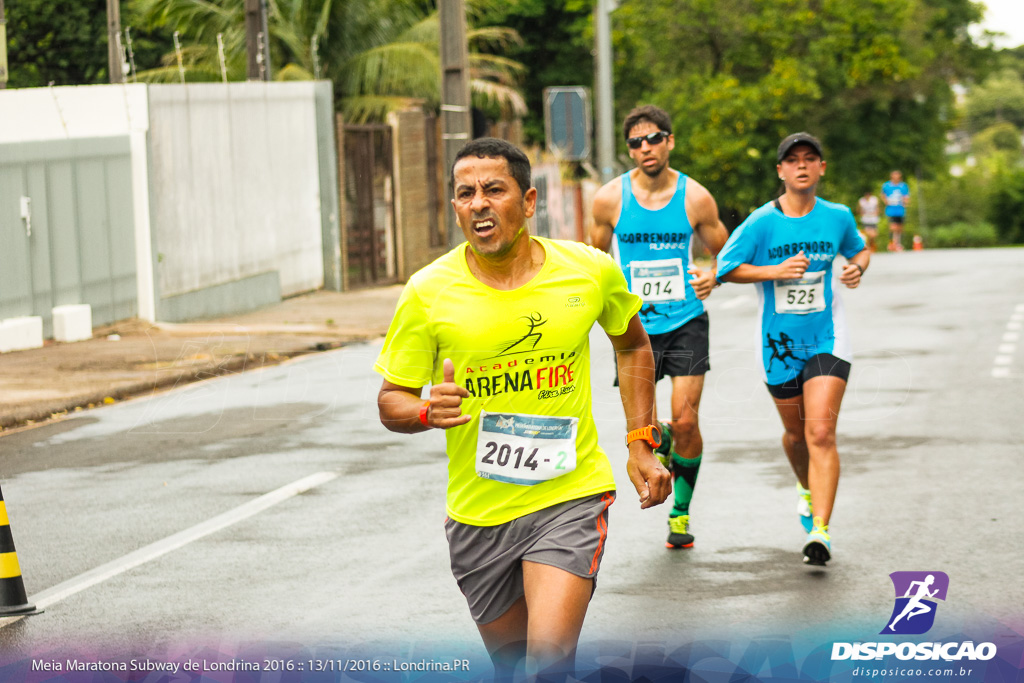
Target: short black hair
494	148
647	112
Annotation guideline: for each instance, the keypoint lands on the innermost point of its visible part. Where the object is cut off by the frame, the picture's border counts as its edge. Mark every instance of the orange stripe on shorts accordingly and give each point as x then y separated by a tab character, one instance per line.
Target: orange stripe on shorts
602	527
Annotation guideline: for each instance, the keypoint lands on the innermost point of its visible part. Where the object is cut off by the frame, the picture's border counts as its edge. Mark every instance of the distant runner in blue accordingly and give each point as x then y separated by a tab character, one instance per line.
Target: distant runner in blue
897	196
646	218
786	248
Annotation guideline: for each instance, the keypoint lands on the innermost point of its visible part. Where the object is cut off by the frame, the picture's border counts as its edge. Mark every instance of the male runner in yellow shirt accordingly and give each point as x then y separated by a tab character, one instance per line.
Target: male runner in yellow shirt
500	327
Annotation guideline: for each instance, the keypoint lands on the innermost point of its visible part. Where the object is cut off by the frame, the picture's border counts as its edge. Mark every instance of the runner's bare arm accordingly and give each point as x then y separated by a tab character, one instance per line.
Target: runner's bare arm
636	386
606	209
854	269
702	210
400	406
793	267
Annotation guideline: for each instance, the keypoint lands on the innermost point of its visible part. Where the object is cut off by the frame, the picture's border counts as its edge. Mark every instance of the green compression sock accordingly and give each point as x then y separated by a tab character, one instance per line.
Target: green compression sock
684	481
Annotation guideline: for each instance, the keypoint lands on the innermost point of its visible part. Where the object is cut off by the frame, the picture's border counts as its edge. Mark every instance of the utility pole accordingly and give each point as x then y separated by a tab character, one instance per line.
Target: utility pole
257	40
605	127
265	44
114	61
3	47
456	122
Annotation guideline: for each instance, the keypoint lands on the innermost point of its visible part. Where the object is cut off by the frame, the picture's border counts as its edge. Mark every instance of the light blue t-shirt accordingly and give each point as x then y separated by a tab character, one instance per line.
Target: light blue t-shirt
654	249
797	318
894	194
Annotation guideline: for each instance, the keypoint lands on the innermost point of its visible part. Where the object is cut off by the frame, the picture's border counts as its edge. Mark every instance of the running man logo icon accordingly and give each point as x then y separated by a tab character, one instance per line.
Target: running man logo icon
529	341
916	593
785	343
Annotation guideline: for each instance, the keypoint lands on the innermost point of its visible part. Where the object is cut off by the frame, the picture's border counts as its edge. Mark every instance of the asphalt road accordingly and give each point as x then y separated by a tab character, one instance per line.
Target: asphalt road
270	513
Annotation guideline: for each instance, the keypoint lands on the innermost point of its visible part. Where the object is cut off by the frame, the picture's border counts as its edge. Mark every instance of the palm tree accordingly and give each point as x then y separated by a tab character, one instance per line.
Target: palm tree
381	54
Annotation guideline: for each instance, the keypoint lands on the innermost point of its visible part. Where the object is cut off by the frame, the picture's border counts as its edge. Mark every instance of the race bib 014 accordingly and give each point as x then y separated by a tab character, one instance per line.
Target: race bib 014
658	280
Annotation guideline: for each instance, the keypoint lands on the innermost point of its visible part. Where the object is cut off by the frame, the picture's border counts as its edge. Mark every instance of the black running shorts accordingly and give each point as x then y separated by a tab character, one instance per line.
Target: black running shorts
681	352
823	364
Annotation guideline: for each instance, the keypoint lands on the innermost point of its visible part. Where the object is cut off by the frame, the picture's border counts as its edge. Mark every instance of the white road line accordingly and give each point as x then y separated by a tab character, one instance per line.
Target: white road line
162	547
1009	346
736	301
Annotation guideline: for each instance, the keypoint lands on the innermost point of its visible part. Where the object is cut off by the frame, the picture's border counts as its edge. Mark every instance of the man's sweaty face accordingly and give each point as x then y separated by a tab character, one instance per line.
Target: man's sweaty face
490	208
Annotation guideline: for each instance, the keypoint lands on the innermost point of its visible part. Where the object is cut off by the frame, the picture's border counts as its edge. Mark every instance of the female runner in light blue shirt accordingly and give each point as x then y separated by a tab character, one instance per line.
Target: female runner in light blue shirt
786	248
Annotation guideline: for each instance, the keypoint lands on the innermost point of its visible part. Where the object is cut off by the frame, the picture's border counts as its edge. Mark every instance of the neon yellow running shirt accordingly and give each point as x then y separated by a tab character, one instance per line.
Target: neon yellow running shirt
523	352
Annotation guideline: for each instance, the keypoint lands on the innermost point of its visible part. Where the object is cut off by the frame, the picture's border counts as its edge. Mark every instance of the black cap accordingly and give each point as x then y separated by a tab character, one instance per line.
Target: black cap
795	139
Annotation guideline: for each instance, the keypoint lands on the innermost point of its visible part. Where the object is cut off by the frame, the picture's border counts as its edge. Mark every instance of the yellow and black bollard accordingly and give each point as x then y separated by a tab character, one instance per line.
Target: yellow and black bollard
13	601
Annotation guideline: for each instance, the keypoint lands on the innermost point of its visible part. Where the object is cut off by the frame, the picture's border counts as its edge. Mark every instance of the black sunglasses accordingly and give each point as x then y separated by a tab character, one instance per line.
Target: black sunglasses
652	139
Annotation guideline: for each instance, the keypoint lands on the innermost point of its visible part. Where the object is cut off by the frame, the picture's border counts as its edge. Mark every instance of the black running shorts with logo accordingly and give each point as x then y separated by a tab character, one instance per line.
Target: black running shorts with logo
822	364
487	560
681	352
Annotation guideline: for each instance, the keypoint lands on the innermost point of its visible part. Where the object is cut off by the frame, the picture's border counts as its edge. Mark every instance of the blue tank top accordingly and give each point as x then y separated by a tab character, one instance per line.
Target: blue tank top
654	249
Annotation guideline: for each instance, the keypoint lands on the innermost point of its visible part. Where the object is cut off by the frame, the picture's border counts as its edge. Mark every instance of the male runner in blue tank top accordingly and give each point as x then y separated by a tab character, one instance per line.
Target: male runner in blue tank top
646	218
897	196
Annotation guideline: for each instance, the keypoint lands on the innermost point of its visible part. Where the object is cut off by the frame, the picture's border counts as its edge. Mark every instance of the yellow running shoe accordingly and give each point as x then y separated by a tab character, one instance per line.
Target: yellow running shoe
679	535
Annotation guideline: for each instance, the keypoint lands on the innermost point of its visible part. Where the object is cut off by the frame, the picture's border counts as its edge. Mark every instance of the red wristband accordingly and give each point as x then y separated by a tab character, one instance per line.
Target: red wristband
423	413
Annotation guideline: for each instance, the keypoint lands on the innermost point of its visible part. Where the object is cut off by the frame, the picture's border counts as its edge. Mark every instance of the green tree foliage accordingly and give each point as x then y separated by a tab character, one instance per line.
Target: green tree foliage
953	199
381	54
58	41
999	137
1012	58
988	195
999	98
64	42
1007	202
991	190
869	77
557	40
963	235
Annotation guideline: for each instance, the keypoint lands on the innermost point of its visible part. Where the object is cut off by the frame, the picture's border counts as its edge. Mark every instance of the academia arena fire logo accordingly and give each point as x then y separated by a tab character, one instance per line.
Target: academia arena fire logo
913	613
916	595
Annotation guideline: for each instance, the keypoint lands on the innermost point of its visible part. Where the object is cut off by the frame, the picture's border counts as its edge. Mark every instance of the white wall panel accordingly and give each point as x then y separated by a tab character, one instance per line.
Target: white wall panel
236	184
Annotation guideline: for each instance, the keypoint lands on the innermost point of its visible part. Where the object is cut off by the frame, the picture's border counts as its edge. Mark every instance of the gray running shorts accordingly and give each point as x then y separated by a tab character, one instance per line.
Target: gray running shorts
487	560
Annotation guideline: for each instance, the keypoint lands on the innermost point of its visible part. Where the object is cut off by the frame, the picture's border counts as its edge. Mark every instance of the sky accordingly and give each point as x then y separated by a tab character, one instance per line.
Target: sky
1006	16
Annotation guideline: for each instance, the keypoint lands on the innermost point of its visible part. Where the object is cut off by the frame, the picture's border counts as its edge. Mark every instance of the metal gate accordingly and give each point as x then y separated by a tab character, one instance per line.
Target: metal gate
67	229
369	205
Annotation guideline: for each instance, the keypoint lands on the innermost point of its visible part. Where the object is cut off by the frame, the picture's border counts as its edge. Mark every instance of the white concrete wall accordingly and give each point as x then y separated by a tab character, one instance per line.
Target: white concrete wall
235	184
225	178
84	111
92	111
